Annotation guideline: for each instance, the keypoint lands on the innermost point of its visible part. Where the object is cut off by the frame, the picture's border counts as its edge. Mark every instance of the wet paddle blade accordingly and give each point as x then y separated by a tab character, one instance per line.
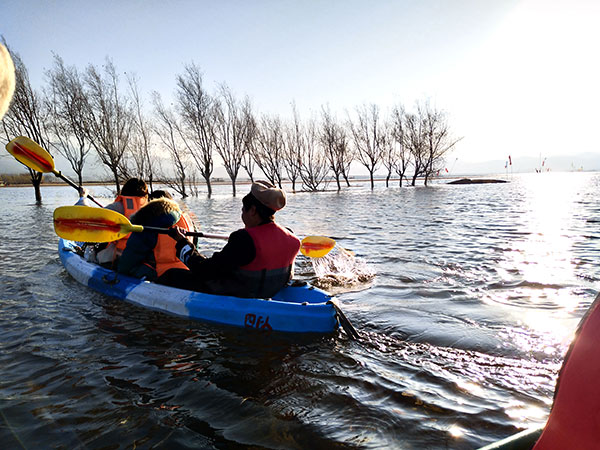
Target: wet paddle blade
87	224
316	246
30	154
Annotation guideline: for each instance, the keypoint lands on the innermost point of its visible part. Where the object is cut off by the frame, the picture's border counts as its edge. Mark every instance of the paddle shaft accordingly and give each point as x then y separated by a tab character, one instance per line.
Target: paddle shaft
70	183
188	233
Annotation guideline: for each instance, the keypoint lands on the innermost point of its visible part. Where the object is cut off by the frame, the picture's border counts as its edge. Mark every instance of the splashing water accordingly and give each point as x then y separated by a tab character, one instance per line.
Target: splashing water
340	268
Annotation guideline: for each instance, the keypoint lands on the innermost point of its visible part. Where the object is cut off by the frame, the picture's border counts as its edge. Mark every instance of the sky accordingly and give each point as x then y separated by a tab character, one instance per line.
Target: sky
515	77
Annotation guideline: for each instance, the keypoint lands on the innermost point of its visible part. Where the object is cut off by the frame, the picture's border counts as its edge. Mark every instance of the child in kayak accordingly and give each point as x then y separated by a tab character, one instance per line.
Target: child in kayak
256	262
148	255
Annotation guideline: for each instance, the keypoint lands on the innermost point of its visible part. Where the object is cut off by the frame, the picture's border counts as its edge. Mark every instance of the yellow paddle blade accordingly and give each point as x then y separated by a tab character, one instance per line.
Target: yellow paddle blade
29	153
87	224
316	246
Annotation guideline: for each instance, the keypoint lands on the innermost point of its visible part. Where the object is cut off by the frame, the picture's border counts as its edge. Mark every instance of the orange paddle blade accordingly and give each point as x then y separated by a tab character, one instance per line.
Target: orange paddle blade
30	154
316	246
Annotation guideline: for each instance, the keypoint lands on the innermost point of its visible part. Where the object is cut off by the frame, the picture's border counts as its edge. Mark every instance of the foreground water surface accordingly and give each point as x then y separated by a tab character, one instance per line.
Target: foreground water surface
477	293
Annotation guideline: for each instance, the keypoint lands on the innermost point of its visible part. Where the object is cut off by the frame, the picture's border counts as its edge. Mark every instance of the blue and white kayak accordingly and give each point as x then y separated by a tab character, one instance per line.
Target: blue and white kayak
301	309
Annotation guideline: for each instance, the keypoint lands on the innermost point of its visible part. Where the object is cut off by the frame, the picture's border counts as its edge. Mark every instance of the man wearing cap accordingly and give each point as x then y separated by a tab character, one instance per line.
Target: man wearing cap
257	261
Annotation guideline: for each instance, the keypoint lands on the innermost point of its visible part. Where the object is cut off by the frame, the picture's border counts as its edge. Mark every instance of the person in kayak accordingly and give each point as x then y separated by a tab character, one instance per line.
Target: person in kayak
257	261
133	196
148	255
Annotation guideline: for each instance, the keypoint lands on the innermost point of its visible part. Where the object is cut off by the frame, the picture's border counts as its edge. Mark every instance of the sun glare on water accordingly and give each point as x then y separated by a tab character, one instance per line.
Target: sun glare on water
542	260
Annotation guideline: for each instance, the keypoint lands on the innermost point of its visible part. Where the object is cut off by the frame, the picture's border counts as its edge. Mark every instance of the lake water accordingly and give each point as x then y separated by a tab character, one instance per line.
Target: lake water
477	293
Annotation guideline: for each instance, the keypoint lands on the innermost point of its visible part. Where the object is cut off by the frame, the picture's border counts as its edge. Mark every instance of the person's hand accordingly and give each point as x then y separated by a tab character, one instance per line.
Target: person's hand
177	233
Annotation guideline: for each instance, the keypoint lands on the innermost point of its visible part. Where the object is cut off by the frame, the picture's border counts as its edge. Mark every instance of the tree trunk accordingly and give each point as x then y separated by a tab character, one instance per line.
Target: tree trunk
38	191
209	187
233	187
372	180
337	180
117	184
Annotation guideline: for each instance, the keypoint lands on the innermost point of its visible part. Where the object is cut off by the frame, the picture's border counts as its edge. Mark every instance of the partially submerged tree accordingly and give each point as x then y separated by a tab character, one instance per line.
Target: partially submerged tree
314	166
438	140
334	140
167	130
197	112
249	139
141	140
414	140
369	138
26	116
231	131
294	148
110	119
397	132
268	153
68	108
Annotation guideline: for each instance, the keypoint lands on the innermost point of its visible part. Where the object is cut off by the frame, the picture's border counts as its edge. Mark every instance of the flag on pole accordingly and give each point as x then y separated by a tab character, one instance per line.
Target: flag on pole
509	161
506	164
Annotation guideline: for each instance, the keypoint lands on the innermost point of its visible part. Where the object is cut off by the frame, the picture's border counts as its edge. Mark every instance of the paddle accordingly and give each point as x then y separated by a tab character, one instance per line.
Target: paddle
30	154
316	246
87	224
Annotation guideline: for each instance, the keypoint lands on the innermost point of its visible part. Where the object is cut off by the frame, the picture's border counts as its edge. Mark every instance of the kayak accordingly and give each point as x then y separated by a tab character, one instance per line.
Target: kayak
298	307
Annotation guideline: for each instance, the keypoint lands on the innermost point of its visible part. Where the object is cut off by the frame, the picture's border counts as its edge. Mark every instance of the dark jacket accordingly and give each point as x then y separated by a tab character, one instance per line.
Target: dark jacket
138	259
228	272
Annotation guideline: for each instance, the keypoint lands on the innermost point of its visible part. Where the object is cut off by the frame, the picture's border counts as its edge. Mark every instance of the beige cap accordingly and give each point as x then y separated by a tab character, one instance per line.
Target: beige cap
7	79
268	195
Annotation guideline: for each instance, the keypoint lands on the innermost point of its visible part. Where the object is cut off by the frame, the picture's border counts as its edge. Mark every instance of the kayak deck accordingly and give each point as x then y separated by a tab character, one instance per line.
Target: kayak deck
302	309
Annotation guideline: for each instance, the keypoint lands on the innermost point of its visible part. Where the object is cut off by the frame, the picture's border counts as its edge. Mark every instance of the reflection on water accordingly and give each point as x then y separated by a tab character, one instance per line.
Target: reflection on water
476	294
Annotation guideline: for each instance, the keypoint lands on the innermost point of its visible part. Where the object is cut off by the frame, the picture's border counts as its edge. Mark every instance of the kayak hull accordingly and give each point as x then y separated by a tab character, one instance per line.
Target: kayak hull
299	309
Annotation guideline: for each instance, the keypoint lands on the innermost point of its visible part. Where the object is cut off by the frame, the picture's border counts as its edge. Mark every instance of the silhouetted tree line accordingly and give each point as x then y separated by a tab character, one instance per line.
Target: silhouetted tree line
79	112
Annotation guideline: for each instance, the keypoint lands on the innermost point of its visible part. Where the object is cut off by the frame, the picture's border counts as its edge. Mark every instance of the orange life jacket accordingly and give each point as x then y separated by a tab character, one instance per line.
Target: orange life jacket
130	206
272	267
164	251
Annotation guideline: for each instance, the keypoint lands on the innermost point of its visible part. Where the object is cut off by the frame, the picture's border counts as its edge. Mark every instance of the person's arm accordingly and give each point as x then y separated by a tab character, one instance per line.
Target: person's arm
238	252
83	198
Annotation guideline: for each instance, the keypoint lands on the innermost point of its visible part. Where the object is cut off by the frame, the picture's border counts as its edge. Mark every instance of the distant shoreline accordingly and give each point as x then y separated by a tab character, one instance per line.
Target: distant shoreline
221	182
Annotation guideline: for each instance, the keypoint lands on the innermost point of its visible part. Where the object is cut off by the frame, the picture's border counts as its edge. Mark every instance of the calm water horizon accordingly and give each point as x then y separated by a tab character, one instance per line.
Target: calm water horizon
477	292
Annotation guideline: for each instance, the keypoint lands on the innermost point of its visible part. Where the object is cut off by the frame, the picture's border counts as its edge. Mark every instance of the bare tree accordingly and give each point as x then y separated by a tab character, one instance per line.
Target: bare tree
438	139
167	129
110	119
68	107
231	132
141	141
329	136
294	147
369	138
314	163
388	152
401	155
196	109
414	140
268	153
250	141
26	116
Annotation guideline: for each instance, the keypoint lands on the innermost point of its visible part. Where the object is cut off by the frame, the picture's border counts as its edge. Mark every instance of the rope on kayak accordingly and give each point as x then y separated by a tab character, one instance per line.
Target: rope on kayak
344	322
